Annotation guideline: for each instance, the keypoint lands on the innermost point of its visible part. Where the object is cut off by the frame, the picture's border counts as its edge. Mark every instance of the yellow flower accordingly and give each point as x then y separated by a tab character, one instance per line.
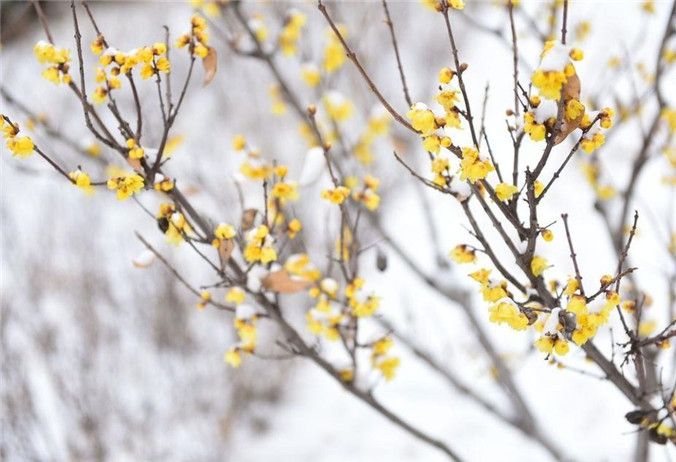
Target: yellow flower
82	181
457	4
337	106
590	144
259	246
238	142
334	55
422	119
538	265
507	313
21	146
472	167
337	195
225	231
163	65
382	346
463	254
285	191
576	54
547	235
432	144
574	109
549	83
505	191
548	344
135	151
233	357
293	228
538	188
445	75
125	186
288	37
235	295
388	367
310	74
99	95
97	45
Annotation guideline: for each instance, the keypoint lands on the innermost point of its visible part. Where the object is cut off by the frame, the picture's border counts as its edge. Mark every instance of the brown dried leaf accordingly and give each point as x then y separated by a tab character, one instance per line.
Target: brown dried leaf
225	251
282	282
248	217
570	90
210	63
135	164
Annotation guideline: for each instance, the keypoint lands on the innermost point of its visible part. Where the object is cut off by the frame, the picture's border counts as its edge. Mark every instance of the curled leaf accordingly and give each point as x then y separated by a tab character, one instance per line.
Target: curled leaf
135	164
225	251
210	63
570	90
248	217
282	282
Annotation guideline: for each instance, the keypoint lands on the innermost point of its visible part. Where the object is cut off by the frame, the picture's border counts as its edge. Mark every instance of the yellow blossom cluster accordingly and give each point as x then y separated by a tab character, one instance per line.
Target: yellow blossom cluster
223	232
163	183
337	106
555	69
290	34
126	185
135	151
360	303
473	166
463	254
197	40
253	167
382	361
336	195
367	193
172	223
205	299
300	266
277	98
82	181
505	191
20	146
593	174
259	246
209	8
505	312
245	326
310	74
594	138
326	316
334	55
58	58
378	125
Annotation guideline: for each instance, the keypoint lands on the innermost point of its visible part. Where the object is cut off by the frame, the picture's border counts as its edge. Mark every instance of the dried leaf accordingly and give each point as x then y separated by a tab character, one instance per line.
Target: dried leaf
225	251
135	164
210	63
144	259
570	90
248	217
282	282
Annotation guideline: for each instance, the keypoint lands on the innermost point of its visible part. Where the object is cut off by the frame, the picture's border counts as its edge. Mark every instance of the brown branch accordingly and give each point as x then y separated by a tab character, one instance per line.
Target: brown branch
573	255
395	46
353	57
